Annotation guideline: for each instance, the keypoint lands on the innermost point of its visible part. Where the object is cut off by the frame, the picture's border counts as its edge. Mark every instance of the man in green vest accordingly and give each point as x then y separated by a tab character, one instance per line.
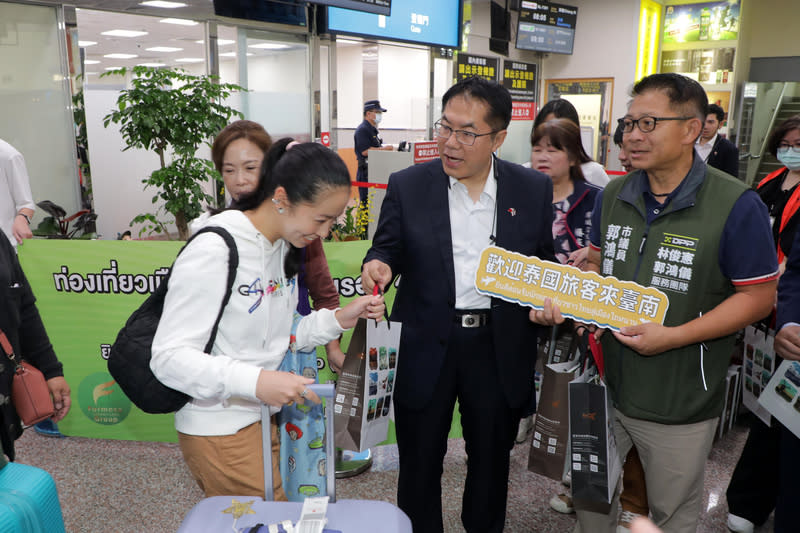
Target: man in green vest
703	239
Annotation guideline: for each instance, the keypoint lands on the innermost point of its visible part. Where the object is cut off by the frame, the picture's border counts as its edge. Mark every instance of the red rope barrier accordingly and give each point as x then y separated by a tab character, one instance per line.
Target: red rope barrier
368	184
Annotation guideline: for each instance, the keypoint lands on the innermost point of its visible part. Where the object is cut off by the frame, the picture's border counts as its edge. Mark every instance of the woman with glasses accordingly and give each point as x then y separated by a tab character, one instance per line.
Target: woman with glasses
753	489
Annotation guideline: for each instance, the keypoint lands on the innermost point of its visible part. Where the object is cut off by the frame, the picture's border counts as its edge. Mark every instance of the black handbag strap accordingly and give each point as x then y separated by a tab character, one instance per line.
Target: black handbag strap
233	265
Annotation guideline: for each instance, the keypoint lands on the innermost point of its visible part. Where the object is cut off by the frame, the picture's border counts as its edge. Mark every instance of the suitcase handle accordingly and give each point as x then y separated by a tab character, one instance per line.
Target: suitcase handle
323	391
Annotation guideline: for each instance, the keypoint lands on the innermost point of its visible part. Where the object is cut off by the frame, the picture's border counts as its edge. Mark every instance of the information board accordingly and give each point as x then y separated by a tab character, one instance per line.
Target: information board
546	27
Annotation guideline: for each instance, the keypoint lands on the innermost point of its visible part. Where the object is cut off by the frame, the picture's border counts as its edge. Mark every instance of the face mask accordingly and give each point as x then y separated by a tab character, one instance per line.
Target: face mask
789	157
378	117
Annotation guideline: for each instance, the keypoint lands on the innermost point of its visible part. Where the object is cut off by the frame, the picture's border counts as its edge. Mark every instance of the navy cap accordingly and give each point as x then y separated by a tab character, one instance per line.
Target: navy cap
375	105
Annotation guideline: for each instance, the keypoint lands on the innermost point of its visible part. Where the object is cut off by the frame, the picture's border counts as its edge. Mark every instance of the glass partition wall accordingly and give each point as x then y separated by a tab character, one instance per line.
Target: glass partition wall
35	101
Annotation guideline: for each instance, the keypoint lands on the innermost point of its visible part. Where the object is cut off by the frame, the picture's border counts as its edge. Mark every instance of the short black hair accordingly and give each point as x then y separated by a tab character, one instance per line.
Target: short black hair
686	96
714	109
618	134
495	95
561	108
790	124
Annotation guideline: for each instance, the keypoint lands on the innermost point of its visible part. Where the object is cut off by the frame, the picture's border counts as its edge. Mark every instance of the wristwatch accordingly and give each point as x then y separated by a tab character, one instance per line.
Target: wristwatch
26	217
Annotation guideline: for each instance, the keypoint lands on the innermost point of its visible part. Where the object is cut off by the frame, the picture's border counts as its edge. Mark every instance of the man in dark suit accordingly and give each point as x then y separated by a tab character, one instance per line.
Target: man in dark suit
457	344
717	151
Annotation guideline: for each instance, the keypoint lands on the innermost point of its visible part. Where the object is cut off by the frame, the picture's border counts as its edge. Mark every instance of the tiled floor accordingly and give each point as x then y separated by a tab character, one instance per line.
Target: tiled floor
125	487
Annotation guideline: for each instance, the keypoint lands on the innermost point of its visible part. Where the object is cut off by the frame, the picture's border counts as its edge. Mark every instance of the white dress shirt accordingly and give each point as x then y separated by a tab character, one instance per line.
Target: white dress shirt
704	150
470	227
15	189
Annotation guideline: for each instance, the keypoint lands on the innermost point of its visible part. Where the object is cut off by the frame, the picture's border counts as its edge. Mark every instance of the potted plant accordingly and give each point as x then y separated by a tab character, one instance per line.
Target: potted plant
172	113
353	224
57	225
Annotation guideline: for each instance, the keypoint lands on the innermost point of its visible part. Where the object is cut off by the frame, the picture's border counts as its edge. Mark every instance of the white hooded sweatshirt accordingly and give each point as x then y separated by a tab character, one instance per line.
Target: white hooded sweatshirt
253	333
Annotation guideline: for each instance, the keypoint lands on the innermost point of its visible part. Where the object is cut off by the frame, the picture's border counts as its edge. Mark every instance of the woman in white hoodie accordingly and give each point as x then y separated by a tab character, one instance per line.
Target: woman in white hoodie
300	194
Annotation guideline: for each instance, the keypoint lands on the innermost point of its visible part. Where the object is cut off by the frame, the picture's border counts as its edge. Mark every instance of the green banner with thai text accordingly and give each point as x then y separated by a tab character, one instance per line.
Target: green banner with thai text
85	292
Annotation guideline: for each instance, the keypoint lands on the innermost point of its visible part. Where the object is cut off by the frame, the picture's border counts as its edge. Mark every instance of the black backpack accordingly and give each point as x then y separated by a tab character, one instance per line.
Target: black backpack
129	361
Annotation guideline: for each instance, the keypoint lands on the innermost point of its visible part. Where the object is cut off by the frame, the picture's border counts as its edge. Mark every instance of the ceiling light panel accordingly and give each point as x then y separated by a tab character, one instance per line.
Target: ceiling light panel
123	33
120	56
163	49
180	22
84	44
162	3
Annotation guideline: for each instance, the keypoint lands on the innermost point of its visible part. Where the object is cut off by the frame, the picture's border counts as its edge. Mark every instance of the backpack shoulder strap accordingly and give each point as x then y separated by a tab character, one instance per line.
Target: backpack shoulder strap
233	264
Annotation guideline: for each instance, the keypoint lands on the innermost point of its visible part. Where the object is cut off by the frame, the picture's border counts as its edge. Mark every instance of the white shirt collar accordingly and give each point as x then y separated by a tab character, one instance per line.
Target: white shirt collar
489	188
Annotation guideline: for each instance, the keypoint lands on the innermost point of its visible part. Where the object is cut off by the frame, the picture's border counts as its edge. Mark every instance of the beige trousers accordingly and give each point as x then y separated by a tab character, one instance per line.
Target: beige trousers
673	457
232	465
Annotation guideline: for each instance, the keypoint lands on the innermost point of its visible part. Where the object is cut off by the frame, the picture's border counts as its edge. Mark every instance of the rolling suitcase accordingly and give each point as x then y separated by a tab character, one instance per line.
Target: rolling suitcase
217	513
28	501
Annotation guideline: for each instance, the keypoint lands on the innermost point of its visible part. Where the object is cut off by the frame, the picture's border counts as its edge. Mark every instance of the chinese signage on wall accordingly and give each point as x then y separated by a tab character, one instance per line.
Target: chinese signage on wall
584	296
520	79
710	21
468	65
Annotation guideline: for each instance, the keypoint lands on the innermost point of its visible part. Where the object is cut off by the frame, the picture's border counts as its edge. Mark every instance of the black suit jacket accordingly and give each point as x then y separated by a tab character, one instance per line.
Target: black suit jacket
724	156
413	237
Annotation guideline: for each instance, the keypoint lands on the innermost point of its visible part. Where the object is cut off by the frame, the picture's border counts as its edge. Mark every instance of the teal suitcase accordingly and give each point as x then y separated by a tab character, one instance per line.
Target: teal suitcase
28	501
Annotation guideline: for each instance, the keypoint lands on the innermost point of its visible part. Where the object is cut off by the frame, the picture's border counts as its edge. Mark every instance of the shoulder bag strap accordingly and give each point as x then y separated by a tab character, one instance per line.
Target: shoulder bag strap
233	265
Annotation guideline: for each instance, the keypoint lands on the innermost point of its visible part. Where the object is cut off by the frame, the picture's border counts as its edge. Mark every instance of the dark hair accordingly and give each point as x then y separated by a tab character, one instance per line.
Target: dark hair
241	129
305	171
618	134
564	135
495	95
686	96
790	124
561	108
716	110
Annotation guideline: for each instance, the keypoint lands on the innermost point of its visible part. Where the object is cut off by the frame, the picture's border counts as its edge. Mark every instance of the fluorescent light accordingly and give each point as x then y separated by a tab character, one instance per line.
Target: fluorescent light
84	44
233	54
90	61
112	68
190	60
120	56
150	65
124	33
182	22
162	3
220	42
269	46
163	49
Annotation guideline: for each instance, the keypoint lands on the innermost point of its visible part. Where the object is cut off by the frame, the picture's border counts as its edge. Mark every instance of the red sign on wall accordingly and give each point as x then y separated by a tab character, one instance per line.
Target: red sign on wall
325	138
425	151
523	110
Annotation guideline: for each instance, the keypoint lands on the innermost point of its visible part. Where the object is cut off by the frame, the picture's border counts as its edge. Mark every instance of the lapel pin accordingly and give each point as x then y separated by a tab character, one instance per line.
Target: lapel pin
512	211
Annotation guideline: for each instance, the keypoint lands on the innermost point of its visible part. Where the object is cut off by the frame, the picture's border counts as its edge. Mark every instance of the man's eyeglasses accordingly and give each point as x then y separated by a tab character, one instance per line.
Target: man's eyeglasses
462	136
786	146
646	123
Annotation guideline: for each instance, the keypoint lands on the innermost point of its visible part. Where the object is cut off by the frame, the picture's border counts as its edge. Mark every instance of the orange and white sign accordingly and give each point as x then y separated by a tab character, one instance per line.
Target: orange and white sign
584	296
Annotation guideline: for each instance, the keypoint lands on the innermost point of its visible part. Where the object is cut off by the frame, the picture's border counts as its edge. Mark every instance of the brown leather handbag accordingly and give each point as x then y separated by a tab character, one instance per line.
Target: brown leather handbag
29	391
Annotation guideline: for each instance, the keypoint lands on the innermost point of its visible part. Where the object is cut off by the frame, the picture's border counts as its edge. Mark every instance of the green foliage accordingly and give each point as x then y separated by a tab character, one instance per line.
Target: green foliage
353	224
57	225
172	113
